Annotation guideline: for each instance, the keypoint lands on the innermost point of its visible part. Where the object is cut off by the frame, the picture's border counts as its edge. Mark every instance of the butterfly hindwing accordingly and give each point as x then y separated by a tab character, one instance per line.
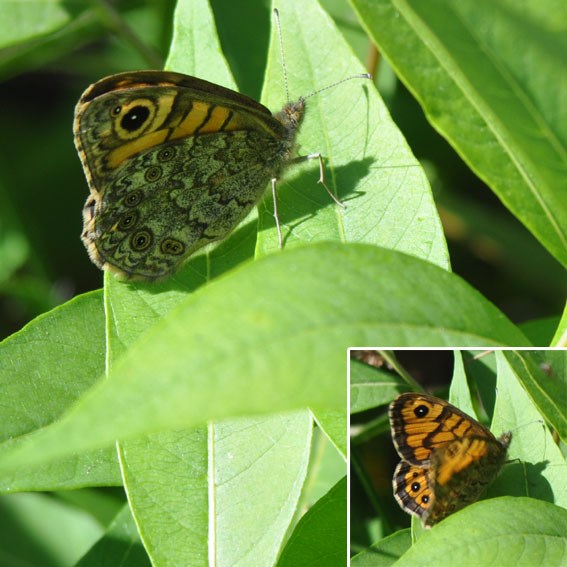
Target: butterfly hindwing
412	489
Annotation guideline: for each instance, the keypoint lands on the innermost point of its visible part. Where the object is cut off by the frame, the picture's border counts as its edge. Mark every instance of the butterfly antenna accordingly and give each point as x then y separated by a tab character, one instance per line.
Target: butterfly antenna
284	69
332	85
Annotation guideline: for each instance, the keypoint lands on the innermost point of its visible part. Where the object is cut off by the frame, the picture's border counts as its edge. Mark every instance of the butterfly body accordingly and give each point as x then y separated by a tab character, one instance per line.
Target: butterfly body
173	163
448	458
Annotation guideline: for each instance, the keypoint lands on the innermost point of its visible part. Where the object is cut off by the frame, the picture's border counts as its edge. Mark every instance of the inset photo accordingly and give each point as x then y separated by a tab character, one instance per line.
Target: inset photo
453	453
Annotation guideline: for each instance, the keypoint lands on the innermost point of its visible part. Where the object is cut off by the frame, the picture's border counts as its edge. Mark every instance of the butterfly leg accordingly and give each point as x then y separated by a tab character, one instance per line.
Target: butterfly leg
319	157
275	198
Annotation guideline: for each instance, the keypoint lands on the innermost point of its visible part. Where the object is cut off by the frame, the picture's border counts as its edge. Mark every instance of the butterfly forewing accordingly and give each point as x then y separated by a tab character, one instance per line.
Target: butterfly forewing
421	425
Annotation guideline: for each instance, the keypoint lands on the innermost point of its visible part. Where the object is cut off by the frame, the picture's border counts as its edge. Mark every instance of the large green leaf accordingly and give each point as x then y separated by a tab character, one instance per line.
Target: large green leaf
539	470
289	351
543	375
490	78
226	494
533	532
368	164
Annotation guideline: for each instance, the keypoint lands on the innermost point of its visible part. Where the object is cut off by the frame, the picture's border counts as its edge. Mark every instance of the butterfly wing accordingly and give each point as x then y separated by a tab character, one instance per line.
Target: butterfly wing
412	488
122	115
460	471
421	424
173	163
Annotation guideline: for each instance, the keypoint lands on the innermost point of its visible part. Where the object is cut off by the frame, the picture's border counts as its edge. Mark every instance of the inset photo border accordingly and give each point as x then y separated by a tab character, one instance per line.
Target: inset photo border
453	452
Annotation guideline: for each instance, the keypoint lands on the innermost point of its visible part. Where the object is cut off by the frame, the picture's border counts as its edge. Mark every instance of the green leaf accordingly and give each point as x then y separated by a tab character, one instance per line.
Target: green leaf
320	538
497	105
120	545
74	332
69	344
543	377
38	529
167	479
539	470
35	32
191	491
533	531
273	473
368	164
560	338
195	47
22	21
187	369
385	552
371	387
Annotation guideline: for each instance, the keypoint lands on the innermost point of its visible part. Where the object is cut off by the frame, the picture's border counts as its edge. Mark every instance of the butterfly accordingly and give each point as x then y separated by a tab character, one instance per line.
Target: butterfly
173	163
448	458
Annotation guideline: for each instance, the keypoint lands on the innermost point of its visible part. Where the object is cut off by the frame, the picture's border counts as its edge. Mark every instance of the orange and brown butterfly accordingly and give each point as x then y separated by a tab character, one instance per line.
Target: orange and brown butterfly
448	458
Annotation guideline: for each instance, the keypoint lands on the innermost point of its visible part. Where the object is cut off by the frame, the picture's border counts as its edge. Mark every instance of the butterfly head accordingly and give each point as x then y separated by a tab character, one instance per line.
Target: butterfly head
505	439
291	115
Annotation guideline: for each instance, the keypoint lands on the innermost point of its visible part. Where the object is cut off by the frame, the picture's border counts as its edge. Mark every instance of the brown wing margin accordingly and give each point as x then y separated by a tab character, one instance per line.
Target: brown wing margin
132	79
